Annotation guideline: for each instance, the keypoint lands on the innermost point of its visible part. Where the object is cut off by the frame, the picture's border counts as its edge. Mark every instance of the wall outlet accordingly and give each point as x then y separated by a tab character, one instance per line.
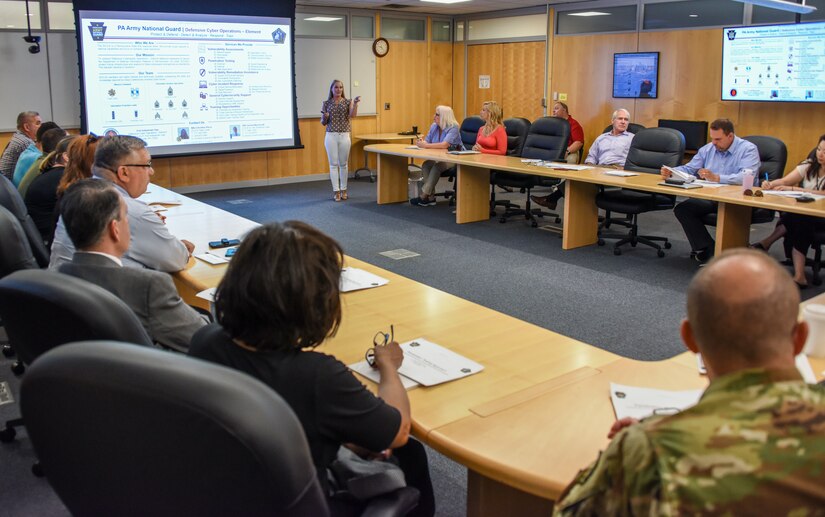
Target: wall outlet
386	105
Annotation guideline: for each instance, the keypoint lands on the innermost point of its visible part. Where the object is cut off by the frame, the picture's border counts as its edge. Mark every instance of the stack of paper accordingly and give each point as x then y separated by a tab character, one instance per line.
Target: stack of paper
639	403
679	175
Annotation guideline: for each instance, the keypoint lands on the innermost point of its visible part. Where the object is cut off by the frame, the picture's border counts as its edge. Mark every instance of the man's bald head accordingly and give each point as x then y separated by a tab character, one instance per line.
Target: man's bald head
742	310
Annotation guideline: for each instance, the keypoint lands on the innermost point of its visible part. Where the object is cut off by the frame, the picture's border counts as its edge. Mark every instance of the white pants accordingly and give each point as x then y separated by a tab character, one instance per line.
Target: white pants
338	145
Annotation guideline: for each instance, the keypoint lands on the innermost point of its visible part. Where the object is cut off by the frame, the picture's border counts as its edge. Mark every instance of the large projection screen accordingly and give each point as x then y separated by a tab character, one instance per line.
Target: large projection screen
188	83
774	63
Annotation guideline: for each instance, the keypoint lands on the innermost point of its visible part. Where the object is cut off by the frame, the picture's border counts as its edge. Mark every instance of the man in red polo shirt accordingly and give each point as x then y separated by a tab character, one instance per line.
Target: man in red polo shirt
576	140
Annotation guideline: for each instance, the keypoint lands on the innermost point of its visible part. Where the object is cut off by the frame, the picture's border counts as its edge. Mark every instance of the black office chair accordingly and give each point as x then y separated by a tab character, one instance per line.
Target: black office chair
15	254
10	199
469	132
650	149
124	430
774	155
546	140
44	309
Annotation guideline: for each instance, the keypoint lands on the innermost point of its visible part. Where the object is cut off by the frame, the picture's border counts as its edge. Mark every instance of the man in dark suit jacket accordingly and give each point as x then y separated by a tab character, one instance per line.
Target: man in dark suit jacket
95	218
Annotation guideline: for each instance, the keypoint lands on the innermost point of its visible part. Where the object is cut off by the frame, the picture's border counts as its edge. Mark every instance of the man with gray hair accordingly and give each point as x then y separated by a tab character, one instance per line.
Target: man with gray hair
754	444
608	150
27	124
125	161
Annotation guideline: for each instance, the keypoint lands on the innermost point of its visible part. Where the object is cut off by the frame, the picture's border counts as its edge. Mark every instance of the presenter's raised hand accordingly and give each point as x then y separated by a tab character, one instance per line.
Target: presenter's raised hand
357	99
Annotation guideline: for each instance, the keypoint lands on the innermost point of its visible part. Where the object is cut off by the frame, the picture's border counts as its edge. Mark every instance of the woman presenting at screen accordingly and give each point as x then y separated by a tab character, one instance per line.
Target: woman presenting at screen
492	139
336	113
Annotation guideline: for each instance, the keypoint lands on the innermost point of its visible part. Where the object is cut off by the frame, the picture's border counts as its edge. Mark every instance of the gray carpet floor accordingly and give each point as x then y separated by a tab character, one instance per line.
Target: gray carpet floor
629	304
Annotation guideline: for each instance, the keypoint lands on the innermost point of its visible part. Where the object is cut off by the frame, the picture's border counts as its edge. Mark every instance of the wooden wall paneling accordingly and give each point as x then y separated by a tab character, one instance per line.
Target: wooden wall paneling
217	168
522	77
163	172
690	75
582	67
299	162
483	60
441	75
403	82
793	123
458	81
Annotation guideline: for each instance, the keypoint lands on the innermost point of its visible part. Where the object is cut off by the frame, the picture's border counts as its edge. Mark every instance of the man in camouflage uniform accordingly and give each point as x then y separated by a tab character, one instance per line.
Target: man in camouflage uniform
755	442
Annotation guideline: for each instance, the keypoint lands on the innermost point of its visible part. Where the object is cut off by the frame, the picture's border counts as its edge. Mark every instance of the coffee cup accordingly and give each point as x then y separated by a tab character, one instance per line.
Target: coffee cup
415	130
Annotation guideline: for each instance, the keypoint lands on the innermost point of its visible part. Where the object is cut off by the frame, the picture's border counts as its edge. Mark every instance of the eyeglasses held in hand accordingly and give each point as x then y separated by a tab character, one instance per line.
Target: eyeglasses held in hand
380	339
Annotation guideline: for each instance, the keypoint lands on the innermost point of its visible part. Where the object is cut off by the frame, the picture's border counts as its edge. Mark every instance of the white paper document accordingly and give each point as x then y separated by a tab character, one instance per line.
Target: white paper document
802	364
791	193
684	176
413	147
567	166
354	279
158	196
425	363
430	364
208	294
621	174
639	403
710	184
372	374
212	258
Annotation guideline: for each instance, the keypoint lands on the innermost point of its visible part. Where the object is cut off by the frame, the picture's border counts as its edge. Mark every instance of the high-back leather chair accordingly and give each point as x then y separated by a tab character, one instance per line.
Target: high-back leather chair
15	252
650	149
774	156
545	139
132	431
469	130
43	309
10	200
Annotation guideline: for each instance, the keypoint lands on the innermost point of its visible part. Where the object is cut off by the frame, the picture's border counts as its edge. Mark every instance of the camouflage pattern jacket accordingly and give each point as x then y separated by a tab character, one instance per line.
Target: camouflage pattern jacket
753	445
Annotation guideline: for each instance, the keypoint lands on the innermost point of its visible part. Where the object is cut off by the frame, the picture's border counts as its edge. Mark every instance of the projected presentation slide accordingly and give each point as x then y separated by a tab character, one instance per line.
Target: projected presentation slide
188	83
774	63
636	75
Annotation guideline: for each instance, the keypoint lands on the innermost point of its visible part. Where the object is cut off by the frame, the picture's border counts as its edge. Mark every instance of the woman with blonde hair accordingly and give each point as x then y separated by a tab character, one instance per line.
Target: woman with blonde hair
492	138
336	113
443	134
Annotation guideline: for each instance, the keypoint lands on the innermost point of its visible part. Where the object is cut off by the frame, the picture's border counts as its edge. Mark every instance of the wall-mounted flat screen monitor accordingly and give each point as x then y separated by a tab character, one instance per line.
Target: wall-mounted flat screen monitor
774	63
188	83
636	75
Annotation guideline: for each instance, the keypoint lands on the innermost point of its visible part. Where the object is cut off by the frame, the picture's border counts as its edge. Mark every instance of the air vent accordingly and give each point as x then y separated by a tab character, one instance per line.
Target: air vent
396	6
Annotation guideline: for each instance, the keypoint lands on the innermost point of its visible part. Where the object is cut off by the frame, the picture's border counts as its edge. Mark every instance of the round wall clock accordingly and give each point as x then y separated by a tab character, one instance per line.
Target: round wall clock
380	47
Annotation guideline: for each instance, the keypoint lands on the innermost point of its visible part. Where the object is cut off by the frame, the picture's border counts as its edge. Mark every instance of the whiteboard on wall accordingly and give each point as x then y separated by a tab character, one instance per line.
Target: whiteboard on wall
319	61
25	84
65	78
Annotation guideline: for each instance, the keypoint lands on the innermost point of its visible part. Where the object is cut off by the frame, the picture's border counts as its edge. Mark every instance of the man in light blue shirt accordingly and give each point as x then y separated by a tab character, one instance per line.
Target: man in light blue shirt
608	150
723	160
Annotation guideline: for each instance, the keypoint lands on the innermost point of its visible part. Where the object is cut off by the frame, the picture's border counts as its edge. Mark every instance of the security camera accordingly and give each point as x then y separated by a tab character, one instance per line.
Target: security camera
34	49
32	39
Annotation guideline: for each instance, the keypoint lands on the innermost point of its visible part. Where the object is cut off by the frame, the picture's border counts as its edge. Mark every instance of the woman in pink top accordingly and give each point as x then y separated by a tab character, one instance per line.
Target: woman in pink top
492	139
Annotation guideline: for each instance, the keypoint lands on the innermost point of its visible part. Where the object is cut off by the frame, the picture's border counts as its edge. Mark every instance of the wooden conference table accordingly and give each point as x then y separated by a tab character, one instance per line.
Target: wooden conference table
524	426
580	218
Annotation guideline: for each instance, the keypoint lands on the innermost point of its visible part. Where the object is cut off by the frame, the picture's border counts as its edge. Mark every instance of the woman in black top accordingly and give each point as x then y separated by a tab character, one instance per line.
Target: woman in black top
41	197
278	301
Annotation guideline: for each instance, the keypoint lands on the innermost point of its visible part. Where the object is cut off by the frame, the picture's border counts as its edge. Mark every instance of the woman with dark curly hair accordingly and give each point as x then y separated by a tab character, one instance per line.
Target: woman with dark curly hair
278	301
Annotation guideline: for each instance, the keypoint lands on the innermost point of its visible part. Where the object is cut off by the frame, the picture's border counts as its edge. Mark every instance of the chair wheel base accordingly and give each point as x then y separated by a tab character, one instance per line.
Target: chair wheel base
660	253
534	223
18	368
502	220
7	435
668	245
37	470
8	351
600	242
617	251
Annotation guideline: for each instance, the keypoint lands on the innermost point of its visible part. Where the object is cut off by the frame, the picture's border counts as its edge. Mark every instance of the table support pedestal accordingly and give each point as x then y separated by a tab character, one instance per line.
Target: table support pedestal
487	497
